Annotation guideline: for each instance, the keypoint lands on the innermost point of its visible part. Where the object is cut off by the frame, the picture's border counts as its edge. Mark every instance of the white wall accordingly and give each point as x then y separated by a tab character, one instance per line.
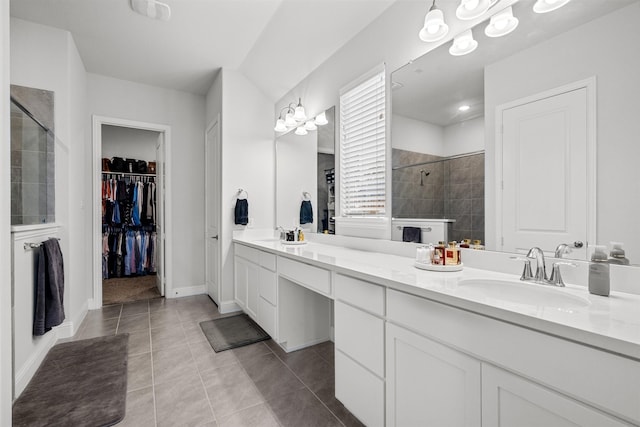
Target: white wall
185	113
247	160
5	223
464	137
47	58
129	143
580	53
417	136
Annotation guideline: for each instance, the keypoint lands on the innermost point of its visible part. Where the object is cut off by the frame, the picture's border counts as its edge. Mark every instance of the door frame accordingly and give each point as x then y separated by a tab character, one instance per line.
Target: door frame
215	192
95	301
590	85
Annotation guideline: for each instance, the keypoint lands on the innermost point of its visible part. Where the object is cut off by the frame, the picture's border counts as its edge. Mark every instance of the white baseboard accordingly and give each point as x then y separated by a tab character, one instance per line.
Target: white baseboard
26	372
187	291
228	307
284	346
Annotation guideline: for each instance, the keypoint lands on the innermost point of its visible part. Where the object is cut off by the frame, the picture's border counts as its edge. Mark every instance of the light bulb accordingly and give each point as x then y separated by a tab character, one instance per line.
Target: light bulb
502	23
280	126
544	6
289	120
434	27
463	108
463	44
471	9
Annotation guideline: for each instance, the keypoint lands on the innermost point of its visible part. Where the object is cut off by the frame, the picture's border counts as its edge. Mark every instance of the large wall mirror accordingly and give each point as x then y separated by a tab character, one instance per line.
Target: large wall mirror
449	162
304	171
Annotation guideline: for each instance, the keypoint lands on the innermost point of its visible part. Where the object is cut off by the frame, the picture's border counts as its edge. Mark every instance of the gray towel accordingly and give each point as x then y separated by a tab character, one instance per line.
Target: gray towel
241	213
306	212
49	293
412	234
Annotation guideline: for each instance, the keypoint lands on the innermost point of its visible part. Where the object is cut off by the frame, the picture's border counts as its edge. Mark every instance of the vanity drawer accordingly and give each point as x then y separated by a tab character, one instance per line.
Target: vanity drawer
268	261
359	293
360	335
306	275
267	285
248	253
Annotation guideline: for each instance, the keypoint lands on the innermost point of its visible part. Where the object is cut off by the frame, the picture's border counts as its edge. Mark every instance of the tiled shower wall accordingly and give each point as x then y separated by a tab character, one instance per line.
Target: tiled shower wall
454	189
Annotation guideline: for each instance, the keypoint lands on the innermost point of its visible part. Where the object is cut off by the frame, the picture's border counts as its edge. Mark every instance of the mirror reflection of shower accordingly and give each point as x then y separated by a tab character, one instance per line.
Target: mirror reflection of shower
423	174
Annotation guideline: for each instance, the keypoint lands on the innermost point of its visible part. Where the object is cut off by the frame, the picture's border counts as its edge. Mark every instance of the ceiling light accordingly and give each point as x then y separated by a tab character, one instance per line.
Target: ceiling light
301	131
434	26
463	108
321	119
463	44
544	6
471	9
502	23
310	125
299	114
152	9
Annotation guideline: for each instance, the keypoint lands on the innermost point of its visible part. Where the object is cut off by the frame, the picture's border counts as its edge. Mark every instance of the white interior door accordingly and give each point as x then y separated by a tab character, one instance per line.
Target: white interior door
212	207
545	173
160	217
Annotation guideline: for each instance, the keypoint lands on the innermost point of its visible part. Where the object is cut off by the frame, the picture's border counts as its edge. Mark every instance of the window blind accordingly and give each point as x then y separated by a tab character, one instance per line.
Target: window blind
362	148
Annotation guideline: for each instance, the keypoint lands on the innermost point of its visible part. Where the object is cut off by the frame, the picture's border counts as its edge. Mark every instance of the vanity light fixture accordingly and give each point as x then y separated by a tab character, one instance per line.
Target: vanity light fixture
299	115
300	130
463	44
310	125
502	23
471	9
321	119
544	6
434	28
152	9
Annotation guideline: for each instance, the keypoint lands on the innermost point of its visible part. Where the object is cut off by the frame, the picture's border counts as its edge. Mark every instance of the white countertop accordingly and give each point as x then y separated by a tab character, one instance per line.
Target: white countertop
610	323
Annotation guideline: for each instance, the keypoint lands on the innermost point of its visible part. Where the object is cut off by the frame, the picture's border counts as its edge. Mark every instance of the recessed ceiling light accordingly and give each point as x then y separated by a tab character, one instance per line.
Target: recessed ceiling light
463	108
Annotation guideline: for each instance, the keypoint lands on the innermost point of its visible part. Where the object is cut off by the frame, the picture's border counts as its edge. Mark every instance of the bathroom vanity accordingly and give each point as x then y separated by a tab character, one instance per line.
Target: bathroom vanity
474	347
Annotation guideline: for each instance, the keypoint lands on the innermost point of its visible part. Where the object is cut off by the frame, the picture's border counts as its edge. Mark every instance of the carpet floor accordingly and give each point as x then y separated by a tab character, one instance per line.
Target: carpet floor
79	383
127	289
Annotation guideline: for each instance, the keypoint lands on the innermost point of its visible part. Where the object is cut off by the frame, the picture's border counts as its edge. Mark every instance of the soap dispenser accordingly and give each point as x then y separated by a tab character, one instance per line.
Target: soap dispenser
617	254
599	282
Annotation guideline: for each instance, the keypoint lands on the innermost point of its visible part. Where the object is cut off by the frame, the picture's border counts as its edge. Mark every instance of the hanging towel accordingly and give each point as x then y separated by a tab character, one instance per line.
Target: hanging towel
242	212
412	234
306	212
49	304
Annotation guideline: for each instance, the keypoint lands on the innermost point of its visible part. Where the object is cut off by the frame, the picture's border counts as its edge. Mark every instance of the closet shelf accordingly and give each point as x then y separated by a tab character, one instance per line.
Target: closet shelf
128	173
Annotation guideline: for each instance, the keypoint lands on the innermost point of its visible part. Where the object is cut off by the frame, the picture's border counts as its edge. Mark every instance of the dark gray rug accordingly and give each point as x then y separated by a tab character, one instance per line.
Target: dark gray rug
231	332
79	383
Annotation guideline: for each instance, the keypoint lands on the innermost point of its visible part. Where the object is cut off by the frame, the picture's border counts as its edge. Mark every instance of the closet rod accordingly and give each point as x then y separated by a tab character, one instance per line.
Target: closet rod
128	173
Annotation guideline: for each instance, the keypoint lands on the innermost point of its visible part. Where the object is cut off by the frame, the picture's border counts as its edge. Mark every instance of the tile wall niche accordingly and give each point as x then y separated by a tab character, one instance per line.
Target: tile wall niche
453	189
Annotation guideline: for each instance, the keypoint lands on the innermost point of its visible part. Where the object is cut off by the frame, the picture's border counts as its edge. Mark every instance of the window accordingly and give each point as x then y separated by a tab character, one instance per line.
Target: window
362	148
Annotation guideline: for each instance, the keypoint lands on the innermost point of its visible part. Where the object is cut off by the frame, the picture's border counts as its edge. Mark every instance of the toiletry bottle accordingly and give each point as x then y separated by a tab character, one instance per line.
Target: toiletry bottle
477	244
452	254
301	236
439	256
421	254
617	254
466	243
599	272
430	253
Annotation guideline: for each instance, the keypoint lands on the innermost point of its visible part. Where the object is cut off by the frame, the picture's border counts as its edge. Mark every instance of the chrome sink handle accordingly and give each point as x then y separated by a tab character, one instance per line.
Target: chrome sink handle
562	249
541	270
526	272
556	277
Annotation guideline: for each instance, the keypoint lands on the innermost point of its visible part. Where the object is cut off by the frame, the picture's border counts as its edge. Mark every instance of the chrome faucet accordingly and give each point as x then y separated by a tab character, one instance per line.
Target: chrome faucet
562	249
541	269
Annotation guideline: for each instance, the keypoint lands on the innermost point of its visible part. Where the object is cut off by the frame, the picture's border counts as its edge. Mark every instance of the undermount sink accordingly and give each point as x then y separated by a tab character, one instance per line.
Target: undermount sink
522	293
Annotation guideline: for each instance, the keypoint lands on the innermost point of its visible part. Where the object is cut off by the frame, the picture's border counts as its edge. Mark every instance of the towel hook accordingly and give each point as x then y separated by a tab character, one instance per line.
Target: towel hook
240	191
306	195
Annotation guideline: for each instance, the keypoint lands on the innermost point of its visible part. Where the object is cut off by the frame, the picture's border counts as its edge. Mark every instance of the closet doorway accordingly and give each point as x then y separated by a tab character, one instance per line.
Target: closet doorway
130	222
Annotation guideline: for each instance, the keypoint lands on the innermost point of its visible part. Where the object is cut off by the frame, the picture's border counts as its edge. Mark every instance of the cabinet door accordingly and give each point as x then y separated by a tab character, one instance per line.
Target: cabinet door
241	278
253	282
429	384
510	400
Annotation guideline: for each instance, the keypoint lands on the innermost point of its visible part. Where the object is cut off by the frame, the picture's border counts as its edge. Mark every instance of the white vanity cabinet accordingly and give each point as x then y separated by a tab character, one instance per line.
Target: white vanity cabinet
359	348
447	366
255	286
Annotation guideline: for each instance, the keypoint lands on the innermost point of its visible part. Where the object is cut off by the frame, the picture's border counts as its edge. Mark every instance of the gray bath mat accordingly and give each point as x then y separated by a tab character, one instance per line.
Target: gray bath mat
231	332
79	383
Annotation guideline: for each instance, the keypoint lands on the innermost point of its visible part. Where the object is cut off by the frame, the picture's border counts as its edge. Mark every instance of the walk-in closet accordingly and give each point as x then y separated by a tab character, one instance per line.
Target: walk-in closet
129	215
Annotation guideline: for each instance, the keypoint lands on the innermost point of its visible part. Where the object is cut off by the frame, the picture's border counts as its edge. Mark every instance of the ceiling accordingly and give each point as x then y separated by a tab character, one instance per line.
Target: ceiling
275	43
436	84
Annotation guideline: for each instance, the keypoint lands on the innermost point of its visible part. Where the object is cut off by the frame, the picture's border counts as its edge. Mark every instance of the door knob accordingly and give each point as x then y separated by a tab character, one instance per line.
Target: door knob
578	244
215	237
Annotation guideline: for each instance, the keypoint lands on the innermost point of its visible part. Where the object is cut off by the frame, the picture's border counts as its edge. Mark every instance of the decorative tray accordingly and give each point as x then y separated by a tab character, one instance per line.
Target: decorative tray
284	242
435	267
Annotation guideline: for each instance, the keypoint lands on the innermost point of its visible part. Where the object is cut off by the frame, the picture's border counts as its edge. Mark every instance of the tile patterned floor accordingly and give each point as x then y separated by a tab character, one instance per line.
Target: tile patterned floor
176	379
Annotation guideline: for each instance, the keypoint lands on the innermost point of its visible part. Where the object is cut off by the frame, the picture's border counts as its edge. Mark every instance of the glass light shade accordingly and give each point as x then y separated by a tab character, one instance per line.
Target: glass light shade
310	125
321	119
434	26
301	131
544	6
471	9
463	44
289	120
280	126
502	23
299	114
